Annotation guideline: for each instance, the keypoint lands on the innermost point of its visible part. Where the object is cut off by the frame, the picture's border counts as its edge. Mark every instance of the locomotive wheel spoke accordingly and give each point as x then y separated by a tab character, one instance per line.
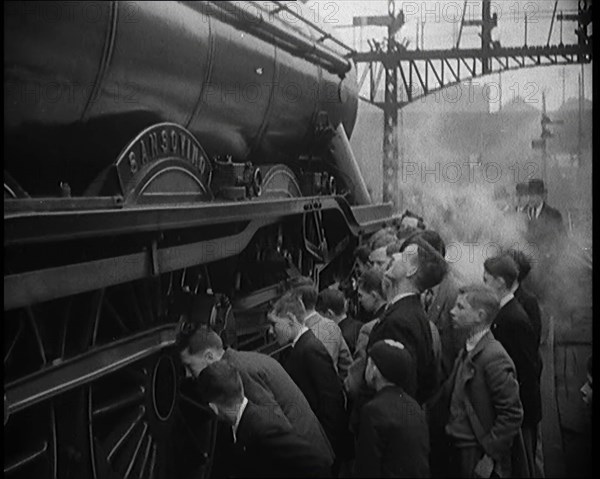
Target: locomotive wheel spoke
32	450
146	302
30	436
97	311
153	460
118	436
10	349
136	451
106	361
145	457
115	316
136	308
122	402
36	332
26	459
135	409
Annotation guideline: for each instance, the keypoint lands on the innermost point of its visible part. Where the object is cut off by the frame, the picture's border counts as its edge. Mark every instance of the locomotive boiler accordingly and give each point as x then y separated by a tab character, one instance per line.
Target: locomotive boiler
159	154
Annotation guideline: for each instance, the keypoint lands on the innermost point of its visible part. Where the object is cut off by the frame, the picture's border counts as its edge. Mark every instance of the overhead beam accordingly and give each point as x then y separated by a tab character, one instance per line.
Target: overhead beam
437	54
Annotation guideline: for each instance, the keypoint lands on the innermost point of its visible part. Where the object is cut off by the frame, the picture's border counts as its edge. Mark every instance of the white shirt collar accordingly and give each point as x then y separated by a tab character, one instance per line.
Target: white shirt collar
506	299
400	296
538	210
474	339
302	331
238	418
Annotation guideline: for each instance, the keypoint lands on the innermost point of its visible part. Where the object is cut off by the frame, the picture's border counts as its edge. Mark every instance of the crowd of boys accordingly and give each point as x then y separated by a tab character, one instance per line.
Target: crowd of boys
433	377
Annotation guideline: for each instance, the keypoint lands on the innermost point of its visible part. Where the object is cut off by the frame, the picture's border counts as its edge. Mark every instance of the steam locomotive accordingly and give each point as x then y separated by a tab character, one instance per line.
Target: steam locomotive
157	151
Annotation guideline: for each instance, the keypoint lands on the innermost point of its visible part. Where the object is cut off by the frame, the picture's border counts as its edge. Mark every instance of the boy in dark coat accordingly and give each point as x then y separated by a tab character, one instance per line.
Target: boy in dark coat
265	445
393	439
265	382
513	330
310	366
416	268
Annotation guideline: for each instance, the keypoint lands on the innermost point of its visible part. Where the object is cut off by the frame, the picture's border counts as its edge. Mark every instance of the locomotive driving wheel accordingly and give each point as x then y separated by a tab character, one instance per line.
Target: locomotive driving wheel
279	181
140	422
96	390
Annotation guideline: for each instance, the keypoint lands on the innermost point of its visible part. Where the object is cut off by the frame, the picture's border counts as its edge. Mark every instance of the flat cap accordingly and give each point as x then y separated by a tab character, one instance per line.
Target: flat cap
394	362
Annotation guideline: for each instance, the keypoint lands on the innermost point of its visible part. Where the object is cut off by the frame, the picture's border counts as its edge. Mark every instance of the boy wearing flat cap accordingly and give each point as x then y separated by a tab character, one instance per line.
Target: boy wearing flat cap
393	439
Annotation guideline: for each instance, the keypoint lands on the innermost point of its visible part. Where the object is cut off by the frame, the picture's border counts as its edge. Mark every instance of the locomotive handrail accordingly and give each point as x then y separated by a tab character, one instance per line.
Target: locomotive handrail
286	38
326	35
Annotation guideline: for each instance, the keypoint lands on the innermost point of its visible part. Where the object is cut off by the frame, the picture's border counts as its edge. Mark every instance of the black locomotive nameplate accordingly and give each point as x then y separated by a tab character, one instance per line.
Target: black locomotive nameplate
160	142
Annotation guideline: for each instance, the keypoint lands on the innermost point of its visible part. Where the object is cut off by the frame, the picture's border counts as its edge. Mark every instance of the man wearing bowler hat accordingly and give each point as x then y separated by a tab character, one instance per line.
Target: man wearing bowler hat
522	197
546	235
541	215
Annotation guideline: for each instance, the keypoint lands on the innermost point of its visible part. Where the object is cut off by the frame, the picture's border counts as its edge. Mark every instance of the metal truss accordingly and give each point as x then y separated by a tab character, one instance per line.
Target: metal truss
423	72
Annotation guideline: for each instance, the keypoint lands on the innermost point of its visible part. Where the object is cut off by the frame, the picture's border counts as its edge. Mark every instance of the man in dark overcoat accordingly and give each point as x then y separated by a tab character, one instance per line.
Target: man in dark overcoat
264	444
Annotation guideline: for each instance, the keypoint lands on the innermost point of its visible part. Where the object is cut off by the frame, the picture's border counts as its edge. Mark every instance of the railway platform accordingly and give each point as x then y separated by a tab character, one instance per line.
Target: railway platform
566	423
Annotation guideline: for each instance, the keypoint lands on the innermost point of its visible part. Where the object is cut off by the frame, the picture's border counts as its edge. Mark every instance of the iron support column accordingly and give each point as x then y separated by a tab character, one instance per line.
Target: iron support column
391	161
391	192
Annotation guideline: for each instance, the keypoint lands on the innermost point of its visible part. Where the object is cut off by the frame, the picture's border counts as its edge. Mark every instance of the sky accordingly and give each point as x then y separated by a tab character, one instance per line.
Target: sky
441	21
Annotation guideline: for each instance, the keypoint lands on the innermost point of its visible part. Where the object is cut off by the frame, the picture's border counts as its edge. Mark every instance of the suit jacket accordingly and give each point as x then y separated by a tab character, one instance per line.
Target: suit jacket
268	447
512	328
492	403
309	365
267	384
405	321
532	307
393	439
350	328
331	336
546	232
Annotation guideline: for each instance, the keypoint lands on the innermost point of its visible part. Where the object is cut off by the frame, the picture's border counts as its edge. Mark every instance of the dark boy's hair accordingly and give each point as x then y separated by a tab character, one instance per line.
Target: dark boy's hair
308	295
220	383
393	248
362	253
332	299
372	281
290	302
202	339
523	263
504	267
432	265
